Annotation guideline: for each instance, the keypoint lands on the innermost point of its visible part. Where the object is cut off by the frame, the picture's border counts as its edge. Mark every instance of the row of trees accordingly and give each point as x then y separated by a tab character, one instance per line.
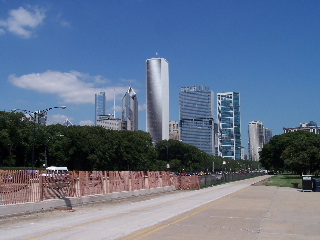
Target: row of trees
96	148
295	151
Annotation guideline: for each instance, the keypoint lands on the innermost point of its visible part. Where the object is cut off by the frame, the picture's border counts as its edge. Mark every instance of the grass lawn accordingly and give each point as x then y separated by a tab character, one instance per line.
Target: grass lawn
284	180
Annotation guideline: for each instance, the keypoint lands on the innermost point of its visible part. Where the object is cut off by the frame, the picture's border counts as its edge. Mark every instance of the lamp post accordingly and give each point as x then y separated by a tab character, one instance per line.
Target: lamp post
46	147
35	117
168	165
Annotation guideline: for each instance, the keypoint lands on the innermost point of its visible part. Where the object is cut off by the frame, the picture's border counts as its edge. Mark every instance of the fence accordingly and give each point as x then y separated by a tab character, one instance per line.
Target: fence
27	186
214	179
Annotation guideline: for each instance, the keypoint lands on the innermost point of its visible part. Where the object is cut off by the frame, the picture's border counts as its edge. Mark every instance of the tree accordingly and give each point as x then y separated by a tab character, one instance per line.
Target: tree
270	155
181	156
295	151
15	130
302	155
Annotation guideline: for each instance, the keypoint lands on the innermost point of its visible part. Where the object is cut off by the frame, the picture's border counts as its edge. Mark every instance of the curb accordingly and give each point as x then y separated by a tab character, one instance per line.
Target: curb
47	205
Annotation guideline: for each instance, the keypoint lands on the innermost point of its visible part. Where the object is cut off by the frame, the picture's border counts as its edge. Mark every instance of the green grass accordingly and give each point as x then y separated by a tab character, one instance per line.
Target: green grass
284	180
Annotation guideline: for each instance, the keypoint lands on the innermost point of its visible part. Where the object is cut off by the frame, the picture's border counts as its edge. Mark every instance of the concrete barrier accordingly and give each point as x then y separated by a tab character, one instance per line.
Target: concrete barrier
68	203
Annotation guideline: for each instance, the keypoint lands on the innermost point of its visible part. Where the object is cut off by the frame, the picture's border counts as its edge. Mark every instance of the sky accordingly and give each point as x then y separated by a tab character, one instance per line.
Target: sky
61	53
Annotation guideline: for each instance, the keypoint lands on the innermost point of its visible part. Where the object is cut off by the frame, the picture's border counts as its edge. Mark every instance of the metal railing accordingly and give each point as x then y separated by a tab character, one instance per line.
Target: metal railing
215	179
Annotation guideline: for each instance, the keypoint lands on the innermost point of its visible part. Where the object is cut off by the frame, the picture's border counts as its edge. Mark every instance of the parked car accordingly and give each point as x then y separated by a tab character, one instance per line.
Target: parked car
58	173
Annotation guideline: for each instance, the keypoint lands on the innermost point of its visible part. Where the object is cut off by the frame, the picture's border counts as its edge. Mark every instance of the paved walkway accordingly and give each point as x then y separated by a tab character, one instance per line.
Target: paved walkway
255	212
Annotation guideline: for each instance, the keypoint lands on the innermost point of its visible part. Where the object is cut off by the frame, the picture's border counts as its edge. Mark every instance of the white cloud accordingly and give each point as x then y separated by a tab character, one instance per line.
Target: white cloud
142	107
86	123
22	21
62	21
130	81
72	87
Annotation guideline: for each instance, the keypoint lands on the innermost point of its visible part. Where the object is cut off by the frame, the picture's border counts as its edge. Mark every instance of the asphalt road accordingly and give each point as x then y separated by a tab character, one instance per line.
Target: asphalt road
146	218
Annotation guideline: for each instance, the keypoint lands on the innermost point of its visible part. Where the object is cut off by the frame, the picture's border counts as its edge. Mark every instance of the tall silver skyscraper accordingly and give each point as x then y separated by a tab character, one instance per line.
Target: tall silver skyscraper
158	98
256	139
130	110
100	105
229	145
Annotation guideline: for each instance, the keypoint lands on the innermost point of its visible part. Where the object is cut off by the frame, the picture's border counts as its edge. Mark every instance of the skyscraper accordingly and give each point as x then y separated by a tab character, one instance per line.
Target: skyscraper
40	117
267	134
158	98
229	132
197	117
100	105
256	139
130	110
174	132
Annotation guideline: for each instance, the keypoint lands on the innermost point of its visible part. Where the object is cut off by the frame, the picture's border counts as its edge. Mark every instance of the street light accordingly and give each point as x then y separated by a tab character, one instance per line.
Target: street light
45	149
34	118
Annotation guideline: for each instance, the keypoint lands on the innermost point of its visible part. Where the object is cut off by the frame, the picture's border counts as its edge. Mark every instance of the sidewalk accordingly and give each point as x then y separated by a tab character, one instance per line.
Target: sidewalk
255	212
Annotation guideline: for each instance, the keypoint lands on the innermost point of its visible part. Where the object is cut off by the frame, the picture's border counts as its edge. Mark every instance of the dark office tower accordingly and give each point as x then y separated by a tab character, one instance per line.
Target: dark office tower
197	117
158	98
130	110
267	135
229	145
100	105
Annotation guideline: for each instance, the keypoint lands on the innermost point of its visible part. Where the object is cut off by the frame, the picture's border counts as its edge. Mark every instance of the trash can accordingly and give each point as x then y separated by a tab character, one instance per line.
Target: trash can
307	183
316	184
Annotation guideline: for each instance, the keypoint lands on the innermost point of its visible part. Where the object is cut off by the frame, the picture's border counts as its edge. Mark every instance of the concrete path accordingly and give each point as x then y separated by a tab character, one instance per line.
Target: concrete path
229	211
255	212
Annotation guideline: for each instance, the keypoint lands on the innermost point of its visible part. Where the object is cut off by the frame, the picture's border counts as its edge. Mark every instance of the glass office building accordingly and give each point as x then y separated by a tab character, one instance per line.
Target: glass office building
267	134
158	98
100	105
130	110
229	125
197	117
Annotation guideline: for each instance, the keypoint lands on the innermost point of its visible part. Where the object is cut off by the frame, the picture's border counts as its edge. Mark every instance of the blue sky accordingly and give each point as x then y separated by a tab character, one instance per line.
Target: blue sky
56	53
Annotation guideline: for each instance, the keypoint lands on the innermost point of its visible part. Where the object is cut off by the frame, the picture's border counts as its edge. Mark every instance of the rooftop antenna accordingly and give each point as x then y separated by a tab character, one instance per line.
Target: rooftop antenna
114	103
157	54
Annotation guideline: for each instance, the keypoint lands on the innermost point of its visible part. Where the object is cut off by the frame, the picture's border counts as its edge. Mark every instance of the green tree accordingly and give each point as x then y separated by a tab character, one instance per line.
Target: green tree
270	155
182	156
14	134
302	155
295	151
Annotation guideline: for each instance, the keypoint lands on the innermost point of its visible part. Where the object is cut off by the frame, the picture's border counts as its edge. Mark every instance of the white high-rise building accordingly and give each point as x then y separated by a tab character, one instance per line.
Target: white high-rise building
174	132
158	98
256	139
109	122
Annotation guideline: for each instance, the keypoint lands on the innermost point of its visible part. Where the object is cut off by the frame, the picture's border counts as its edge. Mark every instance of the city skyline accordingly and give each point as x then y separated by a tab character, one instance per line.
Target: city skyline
267	50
